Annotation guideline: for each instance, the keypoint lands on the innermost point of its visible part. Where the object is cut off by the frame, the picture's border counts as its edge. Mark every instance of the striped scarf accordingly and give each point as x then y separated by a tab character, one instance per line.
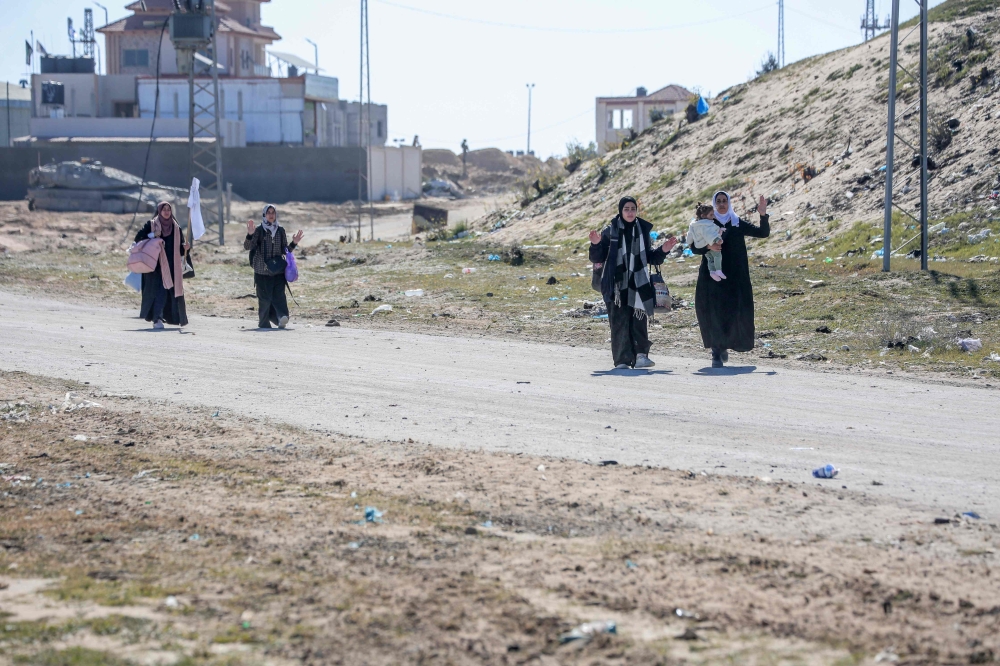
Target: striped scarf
631	269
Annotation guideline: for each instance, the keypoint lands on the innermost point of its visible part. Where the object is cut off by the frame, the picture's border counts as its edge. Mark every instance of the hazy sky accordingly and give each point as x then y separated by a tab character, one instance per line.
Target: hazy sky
454	69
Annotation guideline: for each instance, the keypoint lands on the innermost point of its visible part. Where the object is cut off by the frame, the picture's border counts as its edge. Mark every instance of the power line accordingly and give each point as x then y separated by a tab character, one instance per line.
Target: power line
815	18
594	31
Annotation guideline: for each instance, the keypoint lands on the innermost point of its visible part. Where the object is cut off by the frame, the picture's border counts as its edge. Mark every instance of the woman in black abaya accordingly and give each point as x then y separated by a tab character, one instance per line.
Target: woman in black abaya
725	308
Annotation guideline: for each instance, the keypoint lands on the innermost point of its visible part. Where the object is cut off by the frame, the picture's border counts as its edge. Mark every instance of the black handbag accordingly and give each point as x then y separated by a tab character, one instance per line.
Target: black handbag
274	265
188	266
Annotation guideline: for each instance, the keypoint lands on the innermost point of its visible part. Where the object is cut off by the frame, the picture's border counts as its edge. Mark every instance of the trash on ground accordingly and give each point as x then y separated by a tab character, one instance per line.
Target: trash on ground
382	308
372	515
605	463
413	292
541	468
333	322
942	521
194	537
602	316
493	257
826	472
552	280
468	270
73	402
488	524
969	344
686	614
973	515
888	655
588	630
80	438
354	545
172	602
689	635
631	565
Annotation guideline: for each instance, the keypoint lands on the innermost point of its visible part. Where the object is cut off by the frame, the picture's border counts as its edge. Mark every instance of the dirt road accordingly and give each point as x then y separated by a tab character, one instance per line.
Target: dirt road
930	443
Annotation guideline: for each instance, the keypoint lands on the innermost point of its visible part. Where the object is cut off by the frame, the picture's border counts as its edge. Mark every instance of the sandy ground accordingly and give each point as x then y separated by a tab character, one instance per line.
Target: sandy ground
932	443
153	532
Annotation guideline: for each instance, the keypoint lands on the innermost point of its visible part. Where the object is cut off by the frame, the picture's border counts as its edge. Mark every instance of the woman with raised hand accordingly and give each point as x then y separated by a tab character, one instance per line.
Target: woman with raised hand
267	245
162	303
625	249
725	308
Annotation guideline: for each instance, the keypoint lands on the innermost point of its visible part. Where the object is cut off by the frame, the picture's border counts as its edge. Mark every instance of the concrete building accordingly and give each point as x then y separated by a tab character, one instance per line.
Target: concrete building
618	117
15	112
257	108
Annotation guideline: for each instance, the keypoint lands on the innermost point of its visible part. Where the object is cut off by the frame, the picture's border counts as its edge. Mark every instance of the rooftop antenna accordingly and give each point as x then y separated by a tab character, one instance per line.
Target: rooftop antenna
781	33
71	33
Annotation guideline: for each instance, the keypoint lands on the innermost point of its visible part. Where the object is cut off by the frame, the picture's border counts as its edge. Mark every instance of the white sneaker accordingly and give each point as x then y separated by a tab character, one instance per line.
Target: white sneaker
282	321
158	325
621	366
643	361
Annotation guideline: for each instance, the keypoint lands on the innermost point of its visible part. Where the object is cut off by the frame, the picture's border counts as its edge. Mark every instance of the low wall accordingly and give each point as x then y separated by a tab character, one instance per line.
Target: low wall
260	173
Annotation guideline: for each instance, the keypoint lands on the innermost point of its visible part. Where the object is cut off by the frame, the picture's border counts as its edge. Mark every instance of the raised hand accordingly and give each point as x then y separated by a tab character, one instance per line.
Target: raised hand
762	205
669	244
297	237
595	237
250	227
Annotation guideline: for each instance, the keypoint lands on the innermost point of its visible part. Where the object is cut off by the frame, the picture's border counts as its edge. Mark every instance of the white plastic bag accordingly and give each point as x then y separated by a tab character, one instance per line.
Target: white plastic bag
133	280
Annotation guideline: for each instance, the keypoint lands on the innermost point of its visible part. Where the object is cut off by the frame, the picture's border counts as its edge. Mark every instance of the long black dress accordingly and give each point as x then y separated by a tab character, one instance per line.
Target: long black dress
725	309
159	302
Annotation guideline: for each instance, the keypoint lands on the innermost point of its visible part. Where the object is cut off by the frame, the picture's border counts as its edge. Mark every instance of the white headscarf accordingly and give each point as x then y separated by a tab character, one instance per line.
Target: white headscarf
730	217
270	228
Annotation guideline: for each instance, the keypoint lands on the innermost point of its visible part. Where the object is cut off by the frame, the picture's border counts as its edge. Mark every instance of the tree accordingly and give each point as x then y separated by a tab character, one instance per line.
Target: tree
768	64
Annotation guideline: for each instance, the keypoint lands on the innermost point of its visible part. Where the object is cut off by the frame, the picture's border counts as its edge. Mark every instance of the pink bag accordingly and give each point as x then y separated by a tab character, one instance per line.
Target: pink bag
144	255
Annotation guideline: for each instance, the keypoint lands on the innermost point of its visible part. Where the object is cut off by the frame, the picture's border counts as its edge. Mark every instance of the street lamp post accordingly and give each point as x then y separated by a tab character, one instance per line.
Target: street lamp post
316	53
529	86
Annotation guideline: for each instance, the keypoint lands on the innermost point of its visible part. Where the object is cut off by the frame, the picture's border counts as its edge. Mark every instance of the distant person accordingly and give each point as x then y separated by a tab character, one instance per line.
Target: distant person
160	303
267	245
625	249
416	140
725	307
704	232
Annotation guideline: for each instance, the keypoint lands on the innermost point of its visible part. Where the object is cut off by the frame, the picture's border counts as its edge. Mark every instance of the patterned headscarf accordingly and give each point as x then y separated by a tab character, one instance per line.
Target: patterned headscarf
270	228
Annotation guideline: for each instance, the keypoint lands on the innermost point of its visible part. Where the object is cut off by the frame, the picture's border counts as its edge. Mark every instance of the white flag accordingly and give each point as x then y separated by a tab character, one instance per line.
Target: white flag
197	225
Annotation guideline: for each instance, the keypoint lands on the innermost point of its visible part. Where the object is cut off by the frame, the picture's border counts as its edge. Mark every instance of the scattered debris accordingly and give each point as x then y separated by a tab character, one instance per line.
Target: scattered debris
382	308
373	515
74	402
552	280
333	322
588	630
826	472
969	344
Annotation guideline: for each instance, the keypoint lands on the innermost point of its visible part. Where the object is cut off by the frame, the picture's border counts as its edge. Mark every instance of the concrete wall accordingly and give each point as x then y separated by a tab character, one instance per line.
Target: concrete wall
396	173
81	94
20	119
269	173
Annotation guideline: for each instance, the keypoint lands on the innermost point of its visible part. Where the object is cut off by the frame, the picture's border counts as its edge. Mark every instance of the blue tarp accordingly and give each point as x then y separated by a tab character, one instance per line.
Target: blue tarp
702	106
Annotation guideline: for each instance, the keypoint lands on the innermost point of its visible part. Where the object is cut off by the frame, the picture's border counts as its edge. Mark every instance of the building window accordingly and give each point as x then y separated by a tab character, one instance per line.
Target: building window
627	119
379	134
125	110
135	57
620	119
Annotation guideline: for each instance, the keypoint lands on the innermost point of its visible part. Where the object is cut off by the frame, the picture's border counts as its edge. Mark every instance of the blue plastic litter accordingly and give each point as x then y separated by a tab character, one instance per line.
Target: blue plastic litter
653	235
826	472
372	515
493	257
603	316
973	515
488	524
194	537
688	252
879	252
631	565
554	298
703	106
881	168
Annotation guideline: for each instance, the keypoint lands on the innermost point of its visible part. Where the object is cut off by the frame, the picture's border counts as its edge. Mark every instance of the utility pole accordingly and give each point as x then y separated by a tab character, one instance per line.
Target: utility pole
892	135
315	52
869	22
190	31
529	86
364	137
781	34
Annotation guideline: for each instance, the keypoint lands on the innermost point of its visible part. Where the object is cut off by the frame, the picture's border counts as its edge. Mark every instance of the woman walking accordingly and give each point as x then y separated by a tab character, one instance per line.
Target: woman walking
625	249
268	245
725	308
161	303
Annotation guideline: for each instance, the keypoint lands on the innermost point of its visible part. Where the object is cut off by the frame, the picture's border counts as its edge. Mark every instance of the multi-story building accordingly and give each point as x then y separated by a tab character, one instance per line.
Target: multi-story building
263	98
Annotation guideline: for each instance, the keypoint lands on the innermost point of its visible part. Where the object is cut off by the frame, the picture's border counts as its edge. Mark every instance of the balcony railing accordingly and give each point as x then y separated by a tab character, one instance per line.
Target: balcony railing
261	70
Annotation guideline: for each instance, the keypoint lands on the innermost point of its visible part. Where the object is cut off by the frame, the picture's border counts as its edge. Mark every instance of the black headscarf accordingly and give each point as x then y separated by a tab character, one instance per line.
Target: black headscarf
625	200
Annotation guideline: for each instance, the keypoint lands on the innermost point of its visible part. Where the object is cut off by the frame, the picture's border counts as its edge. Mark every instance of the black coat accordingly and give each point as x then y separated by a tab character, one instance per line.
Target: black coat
600	253
725	309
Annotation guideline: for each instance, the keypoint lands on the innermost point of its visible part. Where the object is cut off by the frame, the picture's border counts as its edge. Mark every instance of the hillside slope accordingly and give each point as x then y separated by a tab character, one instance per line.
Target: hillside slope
827	113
